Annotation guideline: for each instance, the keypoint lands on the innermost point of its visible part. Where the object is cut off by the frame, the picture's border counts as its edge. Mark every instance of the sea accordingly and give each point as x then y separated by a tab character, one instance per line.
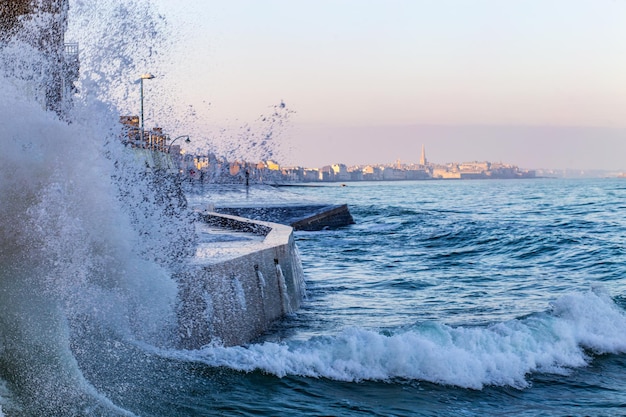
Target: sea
479	297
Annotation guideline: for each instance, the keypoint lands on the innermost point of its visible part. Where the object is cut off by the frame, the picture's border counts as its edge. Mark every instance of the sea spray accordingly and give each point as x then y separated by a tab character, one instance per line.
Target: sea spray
33	57
259	141
57	232
119	41
89	239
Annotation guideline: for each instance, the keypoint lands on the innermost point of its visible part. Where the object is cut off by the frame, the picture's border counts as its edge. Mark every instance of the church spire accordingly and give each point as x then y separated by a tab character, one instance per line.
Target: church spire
423	157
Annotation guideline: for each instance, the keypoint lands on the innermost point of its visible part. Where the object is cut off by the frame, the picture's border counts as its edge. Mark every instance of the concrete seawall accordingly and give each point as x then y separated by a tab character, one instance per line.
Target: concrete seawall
233	290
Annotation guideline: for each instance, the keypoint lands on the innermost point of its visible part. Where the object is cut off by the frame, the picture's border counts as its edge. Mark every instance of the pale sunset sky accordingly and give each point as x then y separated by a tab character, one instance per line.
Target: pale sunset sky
536	83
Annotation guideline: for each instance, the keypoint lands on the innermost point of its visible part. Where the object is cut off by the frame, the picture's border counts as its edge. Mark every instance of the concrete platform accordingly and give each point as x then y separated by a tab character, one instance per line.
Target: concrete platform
308	217
270	203
245	275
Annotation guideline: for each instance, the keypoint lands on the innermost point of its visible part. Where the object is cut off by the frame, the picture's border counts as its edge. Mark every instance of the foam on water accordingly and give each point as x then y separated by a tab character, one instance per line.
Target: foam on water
566	336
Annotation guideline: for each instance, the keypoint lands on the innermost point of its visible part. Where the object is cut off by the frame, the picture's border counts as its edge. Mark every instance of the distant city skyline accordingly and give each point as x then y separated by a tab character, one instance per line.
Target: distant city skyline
536	83
522	146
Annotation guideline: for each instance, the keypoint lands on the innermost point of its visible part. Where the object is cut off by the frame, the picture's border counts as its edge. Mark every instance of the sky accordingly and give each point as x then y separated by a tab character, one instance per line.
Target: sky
535	83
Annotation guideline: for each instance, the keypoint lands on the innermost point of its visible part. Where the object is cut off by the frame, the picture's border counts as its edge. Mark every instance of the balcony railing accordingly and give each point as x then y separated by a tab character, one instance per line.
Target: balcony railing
71	49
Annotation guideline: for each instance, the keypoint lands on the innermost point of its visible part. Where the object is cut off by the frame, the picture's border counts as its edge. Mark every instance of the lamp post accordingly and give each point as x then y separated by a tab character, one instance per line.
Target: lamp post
146	76
169	148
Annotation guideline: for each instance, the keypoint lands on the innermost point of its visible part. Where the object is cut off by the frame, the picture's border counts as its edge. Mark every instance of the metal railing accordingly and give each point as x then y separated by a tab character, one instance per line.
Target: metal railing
71	48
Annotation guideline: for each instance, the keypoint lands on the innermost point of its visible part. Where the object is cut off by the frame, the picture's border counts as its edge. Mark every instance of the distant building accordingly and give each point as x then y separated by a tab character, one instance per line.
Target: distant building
446	172
393	174
423	161
154	139
327	173
372	173
417	174
235	168
60	65
340	172
130	131
356	175
272	166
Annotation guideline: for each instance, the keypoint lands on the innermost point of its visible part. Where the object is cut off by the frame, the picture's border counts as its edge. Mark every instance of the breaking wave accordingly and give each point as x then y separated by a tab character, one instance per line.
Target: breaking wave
77	216
575	328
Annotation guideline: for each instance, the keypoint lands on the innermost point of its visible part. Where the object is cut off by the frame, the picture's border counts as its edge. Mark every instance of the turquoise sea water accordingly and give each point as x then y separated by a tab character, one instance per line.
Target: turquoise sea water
445	298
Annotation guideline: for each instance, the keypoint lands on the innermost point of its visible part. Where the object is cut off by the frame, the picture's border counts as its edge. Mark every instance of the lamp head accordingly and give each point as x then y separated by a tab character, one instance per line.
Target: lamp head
146	76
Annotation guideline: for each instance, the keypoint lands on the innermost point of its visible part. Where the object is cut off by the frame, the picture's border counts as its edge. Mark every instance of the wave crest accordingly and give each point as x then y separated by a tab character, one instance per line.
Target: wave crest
503	354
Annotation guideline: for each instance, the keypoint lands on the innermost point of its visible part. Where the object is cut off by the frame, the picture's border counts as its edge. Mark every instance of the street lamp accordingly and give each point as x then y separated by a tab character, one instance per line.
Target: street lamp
169	148
146	76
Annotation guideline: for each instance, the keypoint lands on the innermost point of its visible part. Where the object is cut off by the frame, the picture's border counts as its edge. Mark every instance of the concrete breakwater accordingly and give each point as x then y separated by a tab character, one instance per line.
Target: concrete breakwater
245	275
307	217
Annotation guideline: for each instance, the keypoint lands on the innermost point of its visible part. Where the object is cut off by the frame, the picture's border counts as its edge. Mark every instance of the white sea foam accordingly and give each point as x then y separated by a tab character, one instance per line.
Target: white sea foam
503	354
